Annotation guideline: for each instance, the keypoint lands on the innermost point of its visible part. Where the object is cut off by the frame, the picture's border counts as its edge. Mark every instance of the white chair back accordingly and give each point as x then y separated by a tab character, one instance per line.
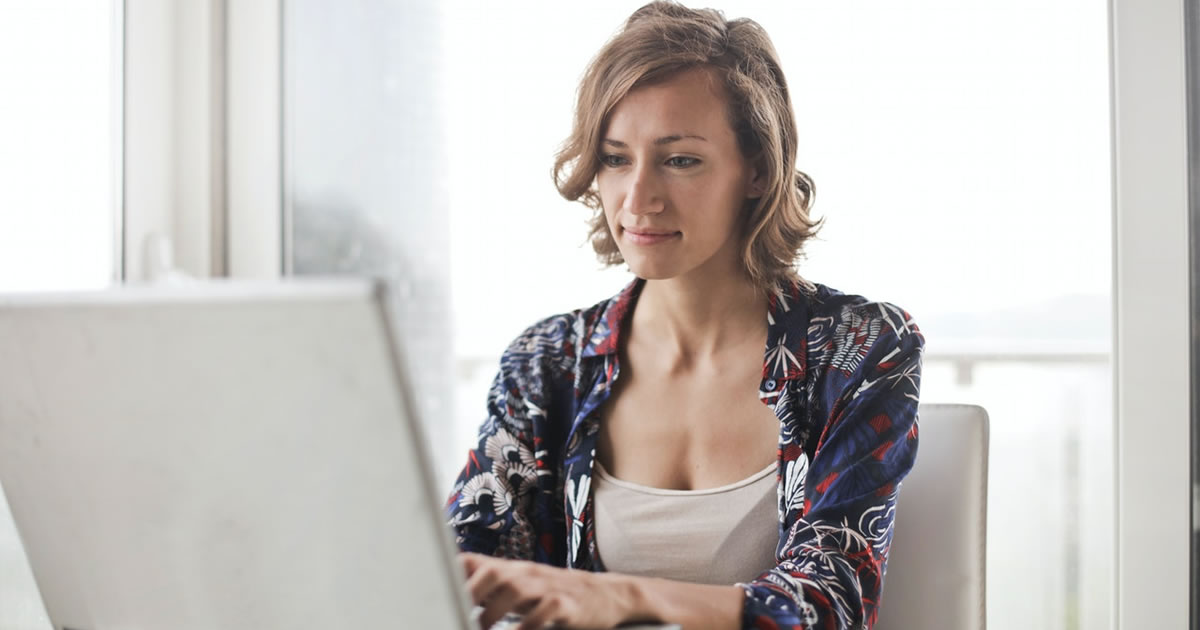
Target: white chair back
936	567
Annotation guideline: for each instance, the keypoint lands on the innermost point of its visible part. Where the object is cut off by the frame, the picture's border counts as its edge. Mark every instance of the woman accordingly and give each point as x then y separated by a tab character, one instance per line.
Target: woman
631	439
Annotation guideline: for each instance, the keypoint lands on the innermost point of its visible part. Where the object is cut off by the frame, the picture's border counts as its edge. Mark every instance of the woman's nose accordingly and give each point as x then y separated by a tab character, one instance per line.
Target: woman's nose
644	194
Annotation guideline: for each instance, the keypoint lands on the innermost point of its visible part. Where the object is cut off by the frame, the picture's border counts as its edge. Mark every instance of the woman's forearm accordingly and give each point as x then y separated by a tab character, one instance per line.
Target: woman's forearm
693	606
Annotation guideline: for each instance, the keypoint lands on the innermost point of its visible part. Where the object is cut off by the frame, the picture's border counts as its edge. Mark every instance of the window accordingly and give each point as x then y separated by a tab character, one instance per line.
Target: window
60	60
364	169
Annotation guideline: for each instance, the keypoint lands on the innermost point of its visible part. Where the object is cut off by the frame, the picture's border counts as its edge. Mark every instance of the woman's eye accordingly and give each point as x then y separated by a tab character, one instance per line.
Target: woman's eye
611	160
680	161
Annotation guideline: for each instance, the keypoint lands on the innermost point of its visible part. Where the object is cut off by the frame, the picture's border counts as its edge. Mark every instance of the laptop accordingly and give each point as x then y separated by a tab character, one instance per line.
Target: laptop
222	455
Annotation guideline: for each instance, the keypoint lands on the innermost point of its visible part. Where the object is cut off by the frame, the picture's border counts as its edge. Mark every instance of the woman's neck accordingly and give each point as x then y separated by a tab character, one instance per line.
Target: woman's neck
697	319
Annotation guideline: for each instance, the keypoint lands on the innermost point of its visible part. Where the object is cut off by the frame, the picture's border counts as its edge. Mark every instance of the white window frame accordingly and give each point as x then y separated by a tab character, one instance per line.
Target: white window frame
1151	302
202	143
255	155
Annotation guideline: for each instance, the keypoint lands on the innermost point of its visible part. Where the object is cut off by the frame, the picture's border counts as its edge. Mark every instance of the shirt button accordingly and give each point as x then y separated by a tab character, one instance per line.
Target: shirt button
771	384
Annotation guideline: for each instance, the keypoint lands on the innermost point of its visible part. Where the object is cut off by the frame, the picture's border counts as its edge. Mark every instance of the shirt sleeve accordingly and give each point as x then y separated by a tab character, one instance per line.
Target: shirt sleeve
502	502
833	552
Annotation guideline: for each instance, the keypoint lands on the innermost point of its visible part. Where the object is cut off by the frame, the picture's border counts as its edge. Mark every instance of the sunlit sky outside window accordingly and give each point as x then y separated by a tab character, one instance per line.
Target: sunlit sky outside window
58	160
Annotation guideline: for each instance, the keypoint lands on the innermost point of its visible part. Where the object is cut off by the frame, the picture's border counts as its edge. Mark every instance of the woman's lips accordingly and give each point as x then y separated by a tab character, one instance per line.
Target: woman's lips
648	237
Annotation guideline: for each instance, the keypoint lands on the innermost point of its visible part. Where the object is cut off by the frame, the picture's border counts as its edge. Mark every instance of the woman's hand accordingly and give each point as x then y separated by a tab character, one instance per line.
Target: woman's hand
545	595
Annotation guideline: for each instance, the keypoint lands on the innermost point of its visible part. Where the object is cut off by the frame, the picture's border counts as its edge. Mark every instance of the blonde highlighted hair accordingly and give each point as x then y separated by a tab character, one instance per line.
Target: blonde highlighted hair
659	41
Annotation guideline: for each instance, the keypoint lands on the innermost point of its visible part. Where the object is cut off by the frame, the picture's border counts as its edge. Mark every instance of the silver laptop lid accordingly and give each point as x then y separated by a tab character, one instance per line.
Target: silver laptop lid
222	455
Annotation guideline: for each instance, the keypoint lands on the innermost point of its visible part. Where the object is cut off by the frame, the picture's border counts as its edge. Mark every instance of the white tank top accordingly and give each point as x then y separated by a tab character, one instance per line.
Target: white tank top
719	535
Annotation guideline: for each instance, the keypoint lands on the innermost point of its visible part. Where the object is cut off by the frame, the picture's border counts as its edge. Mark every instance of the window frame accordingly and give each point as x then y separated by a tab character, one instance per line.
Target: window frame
201	136
1151	291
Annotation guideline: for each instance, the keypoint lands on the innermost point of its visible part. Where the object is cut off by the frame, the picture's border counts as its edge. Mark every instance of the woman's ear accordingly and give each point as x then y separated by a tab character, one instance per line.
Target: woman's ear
756	184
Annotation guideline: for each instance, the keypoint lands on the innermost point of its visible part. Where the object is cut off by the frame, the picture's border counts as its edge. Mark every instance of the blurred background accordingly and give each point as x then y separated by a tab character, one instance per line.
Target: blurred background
961	153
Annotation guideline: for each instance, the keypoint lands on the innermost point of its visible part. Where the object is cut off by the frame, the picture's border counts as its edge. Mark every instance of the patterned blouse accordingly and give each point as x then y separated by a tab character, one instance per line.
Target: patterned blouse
841	373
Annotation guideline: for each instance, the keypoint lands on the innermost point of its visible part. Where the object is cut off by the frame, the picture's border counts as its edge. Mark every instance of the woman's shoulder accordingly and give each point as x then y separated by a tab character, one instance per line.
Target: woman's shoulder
827	303
849	325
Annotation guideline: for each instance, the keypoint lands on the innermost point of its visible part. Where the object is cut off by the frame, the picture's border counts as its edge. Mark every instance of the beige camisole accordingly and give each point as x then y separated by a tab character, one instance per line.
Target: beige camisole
719	535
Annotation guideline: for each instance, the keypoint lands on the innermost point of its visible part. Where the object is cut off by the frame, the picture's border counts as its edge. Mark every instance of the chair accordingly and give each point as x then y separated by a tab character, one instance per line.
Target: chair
936	567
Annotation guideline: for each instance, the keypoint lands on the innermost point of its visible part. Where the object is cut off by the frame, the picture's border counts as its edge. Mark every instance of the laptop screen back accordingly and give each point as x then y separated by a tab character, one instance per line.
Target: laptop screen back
220	456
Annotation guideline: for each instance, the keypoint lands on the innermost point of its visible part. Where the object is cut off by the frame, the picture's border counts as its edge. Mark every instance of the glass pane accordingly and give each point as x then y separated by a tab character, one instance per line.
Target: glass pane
59	205
961	156
364	168
60	125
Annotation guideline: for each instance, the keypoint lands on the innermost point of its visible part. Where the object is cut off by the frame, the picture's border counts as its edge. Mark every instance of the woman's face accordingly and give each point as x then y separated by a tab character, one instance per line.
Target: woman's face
672	180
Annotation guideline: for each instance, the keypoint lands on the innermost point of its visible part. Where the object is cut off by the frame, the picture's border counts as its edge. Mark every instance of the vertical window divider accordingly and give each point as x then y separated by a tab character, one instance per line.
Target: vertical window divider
118	54
1151	355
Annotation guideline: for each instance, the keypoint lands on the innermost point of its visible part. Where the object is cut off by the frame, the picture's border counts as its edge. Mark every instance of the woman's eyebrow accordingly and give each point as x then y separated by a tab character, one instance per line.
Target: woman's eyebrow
658	142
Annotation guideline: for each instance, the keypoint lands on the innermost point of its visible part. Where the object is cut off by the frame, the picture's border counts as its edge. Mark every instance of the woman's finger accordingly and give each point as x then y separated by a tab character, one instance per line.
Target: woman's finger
506	598
547	611
484	578
470	562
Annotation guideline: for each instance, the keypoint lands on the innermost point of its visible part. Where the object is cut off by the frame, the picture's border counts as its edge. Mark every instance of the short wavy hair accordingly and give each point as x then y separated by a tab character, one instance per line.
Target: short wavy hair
658	41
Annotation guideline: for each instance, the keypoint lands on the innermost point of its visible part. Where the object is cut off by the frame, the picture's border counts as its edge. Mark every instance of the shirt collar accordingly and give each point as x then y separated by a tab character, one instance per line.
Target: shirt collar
604	332
787	328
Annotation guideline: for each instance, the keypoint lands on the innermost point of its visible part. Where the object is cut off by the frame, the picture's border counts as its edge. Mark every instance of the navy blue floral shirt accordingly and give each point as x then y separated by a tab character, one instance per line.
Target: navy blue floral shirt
841	373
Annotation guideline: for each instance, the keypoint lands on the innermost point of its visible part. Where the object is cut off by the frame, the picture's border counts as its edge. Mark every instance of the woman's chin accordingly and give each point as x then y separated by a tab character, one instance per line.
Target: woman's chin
652	272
